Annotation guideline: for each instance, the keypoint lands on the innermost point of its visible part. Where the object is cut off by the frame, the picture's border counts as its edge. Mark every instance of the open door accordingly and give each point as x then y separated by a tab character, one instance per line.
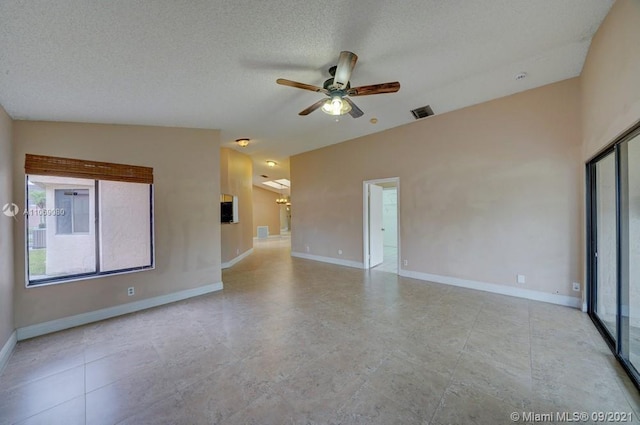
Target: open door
376	209
376	230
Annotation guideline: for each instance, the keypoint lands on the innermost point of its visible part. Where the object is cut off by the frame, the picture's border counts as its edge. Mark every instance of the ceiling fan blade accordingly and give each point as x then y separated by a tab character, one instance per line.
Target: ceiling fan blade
374	89
355	112
345	66
298	85
312	108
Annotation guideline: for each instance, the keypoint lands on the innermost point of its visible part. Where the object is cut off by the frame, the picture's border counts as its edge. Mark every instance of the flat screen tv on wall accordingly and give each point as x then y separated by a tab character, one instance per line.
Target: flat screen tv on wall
226	212
228	208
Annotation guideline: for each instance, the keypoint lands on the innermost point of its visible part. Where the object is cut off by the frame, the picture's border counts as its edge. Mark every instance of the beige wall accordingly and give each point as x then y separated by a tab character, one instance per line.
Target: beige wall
265	210
187	230
486	192
6	230
236	171
610	78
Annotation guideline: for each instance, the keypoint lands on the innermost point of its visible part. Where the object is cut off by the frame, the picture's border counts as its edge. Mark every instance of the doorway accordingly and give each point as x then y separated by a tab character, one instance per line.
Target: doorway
381	219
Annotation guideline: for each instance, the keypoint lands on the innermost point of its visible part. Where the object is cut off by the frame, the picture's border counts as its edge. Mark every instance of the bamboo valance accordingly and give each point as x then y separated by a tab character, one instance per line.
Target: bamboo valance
79	168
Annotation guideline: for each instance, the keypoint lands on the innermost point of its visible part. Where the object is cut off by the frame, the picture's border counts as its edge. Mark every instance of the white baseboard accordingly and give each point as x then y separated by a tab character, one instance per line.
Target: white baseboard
329	260
240	257
255	238
496	289
107	313
7	349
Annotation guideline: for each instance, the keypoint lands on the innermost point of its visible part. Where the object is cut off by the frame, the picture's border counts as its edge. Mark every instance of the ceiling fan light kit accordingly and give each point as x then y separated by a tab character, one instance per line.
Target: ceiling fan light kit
338	89
336	106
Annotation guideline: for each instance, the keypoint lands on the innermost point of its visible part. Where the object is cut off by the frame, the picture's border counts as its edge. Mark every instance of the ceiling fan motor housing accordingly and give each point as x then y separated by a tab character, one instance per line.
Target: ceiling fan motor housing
328	84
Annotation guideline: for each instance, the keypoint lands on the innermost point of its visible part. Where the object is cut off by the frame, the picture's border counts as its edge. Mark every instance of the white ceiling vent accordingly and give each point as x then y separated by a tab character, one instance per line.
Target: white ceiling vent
422	112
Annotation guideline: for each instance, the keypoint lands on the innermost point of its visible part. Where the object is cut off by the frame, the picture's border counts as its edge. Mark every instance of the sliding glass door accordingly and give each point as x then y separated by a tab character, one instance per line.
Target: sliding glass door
606	306
631	215
613	191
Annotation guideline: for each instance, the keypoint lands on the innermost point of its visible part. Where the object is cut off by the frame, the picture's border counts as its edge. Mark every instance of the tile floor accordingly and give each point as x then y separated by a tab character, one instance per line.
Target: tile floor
293	341
634	338
389	260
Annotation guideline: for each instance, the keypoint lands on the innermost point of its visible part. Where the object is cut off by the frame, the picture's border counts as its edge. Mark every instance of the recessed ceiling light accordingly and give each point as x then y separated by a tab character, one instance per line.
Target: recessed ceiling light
271	164
521	76
373	120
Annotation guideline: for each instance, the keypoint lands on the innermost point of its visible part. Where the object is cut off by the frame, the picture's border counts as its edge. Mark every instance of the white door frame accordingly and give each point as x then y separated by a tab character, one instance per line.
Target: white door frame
365	217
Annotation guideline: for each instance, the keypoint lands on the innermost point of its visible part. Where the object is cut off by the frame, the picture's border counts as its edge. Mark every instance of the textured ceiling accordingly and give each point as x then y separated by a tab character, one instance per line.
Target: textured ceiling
213	63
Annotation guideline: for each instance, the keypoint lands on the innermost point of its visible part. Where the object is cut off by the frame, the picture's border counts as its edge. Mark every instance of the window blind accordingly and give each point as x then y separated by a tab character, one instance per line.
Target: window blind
79	168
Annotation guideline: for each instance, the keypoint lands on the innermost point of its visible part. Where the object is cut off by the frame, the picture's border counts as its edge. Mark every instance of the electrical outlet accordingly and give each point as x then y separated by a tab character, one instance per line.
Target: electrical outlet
405	263
521	278
131	291
307	248
576	286
339	252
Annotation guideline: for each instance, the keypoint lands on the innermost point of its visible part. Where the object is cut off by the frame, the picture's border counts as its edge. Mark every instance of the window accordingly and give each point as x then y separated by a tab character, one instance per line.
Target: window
87	219
75	205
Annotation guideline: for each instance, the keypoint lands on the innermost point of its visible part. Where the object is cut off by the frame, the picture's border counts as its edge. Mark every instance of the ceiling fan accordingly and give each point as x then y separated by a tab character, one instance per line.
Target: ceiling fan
338	89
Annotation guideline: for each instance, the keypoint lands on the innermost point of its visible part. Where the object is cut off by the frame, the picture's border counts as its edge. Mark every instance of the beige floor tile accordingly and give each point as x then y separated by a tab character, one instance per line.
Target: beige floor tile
221	395
70	412
181	341
114	402
371	407
269	408
322	387
116	366
102	341
435	348
167	411
193	367
631	394
37	358
501	326
22	402
499	380
557	365
416	389
445	314
512	352
297	341
467	405
585	396
33	362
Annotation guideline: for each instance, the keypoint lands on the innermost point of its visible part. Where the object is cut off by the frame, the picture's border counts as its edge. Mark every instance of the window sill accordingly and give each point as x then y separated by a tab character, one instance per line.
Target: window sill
78	278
